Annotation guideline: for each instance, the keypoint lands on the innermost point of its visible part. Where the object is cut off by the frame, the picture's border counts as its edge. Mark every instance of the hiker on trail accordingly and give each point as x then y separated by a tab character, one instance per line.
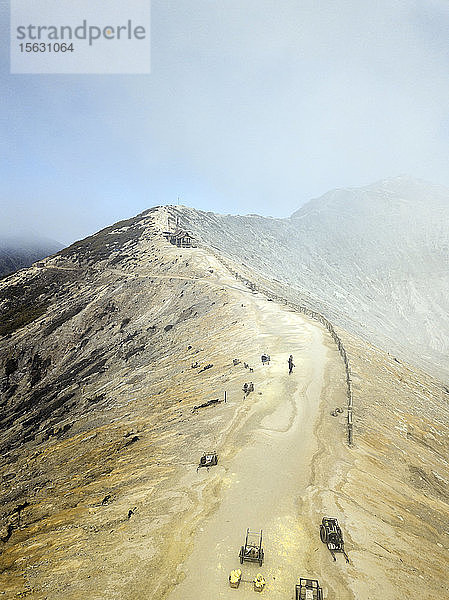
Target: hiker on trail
290	364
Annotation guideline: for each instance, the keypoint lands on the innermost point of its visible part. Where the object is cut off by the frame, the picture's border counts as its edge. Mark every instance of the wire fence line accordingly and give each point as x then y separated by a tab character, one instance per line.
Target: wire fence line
318	317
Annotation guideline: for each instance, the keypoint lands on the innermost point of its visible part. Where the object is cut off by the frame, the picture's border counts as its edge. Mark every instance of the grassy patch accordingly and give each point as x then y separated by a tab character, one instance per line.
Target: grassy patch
103	244
14	319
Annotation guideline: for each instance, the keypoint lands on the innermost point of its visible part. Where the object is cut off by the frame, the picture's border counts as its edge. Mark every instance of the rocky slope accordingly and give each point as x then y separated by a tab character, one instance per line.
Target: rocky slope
100	439
374	260
97	397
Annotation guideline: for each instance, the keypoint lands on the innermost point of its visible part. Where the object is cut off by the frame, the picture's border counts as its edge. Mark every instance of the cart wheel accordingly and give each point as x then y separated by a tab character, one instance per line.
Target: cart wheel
260	562
323	534
241	556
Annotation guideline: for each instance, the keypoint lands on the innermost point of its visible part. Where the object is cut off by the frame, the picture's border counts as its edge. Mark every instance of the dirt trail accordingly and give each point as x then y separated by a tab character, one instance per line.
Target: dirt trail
264	481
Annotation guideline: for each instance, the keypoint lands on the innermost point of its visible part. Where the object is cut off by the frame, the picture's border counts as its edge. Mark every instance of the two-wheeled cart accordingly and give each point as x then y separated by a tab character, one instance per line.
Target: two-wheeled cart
209	459
252	550
331	535
308	589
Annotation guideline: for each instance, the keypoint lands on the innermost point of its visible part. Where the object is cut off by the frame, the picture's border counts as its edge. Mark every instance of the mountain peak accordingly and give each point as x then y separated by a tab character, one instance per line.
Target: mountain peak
382	195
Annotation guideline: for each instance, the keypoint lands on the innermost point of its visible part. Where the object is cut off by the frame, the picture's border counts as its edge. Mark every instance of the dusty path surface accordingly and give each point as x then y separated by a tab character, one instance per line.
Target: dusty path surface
265	479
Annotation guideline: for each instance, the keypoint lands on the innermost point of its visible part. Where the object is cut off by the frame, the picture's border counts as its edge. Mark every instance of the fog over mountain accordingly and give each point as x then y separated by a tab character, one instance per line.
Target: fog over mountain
22	249
373	259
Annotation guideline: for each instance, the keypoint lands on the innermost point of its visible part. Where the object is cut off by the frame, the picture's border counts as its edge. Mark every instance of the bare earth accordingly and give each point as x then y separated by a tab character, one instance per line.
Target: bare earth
273	446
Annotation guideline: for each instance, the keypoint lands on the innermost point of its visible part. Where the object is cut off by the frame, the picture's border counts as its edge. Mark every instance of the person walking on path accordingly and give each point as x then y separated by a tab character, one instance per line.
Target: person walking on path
265	358
290	364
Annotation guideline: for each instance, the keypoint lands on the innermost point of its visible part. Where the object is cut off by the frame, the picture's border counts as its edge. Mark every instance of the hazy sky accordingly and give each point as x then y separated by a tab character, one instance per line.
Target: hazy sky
252	106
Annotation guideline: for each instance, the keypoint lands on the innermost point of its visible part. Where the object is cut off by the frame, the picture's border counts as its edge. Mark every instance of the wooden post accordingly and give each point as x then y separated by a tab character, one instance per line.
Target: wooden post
350	436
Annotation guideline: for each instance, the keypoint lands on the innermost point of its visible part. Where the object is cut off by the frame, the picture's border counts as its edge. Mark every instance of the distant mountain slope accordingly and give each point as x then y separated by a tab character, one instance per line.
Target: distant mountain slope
17	252
373	259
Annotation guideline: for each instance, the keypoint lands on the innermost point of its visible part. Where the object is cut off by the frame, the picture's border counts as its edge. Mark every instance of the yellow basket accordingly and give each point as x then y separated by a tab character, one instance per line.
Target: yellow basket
259	583
235	578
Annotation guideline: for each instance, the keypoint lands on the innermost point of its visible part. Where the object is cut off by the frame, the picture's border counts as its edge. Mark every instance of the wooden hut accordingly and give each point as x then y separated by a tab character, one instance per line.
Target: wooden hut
180	238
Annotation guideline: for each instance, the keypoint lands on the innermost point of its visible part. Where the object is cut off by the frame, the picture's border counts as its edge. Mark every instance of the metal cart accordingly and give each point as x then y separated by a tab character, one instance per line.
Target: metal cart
330	534
252	551
209	459
308	589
